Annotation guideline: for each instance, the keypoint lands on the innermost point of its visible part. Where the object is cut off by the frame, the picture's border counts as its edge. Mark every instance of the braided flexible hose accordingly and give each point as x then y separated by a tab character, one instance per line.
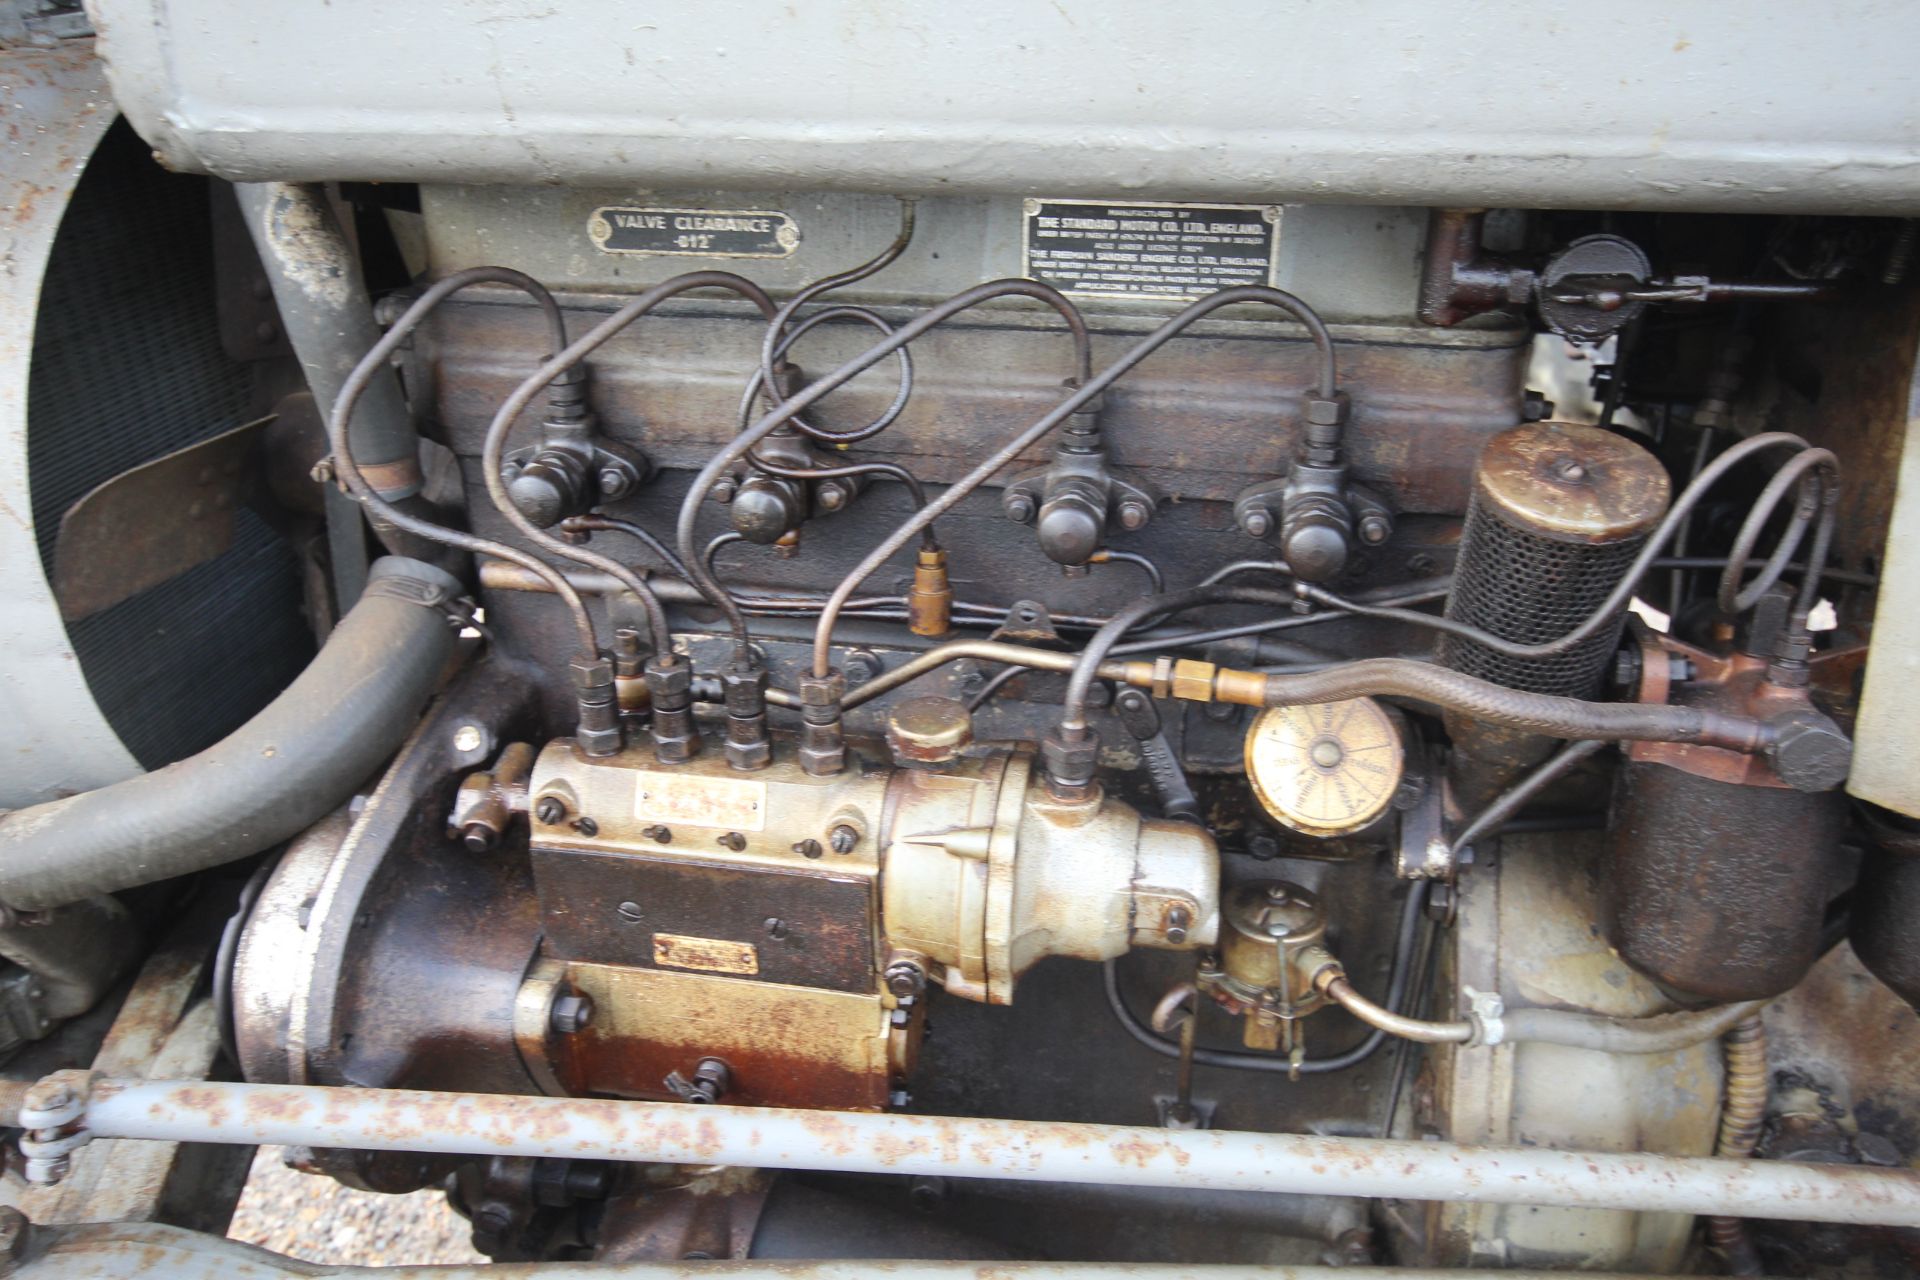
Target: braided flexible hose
1740	1121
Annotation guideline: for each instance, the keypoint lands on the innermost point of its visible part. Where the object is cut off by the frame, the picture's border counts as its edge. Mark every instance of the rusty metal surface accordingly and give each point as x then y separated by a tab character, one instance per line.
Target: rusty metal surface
815	929
1572	481
125	1252
161	1028
783	1045
775	1138
54	109
154	522
1718	888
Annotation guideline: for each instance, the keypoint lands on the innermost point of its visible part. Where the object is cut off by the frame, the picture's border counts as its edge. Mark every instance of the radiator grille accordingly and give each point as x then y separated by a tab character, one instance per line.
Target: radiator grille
128	366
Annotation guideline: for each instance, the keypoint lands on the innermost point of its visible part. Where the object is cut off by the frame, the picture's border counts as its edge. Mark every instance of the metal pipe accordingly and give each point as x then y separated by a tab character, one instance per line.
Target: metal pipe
1089	390
779	1138
125	1250
1341	992
989	650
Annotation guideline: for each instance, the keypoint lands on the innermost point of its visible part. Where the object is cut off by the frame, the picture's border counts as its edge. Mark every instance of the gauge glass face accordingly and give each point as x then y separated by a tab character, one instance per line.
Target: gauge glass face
1326	769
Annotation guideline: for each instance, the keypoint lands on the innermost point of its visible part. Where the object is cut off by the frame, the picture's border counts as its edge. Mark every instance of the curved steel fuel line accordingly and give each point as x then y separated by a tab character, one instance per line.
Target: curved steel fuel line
778	338
889	469
1084	394
1812	474
865	315
339	439
493	453
1106	555
280	772
595	522
781	413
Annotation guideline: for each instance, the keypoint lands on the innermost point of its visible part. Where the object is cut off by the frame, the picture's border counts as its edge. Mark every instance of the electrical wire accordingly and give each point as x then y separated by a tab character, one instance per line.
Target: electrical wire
348	470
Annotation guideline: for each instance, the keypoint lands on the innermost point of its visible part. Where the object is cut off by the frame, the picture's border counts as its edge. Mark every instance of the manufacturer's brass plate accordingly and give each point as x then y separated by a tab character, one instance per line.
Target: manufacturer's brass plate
708	955
688	799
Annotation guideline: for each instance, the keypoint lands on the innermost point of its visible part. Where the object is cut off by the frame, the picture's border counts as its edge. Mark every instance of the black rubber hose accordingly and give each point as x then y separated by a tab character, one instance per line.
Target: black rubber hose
285	769
1541	713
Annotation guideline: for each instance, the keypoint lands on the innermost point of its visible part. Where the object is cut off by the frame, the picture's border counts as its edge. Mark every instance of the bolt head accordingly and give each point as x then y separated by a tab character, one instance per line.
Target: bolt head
843	839
1257	522
722	491
830	496
469	738
776	927
477	837
1375	529
905	980
1134	515
1019	507
629	911
614	484
551	810
572	1013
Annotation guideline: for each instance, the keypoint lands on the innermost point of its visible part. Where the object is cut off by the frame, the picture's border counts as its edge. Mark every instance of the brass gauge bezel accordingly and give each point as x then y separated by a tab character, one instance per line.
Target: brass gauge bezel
1327	769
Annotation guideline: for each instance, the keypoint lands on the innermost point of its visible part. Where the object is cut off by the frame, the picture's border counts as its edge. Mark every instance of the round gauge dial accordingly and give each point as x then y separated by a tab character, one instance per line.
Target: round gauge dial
1325	770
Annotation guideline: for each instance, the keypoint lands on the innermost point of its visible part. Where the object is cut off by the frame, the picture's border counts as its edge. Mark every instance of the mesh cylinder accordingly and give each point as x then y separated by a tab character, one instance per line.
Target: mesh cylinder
1559	511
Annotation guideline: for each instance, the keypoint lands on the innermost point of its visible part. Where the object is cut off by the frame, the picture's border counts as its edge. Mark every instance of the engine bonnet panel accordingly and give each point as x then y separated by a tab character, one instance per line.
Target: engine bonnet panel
1687	105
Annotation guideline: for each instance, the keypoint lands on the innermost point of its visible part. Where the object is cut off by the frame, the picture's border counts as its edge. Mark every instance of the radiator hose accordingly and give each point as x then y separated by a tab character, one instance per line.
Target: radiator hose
286	768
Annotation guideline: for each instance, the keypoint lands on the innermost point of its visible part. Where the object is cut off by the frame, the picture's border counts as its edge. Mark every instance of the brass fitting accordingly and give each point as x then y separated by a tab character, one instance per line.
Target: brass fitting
1194	681
930	603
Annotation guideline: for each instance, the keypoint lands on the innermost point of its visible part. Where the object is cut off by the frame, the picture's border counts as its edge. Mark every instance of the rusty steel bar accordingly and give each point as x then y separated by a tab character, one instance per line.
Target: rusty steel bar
674	1133
121	1251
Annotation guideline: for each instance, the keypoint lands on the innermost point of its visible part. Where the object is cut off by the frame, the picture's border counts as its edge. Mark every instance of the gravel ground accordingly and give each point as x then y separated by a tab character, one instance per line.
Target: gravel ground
315	1218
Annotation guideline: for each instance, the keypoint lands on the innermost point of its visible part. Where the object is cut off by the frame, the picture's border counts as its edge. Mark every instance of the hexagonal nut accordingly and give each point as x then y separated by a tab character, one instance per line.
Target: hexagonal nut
1327	411
1811	753
598	742
596	674
823	691
669	677
821	761
757	754
572	1013
1070	757
744	688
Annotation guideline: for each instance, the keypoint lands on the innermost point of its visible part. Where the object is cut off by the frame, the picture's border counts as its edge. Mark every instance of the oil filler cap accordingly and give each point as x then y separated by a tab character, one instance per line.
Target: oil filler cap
1325	770
929	731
